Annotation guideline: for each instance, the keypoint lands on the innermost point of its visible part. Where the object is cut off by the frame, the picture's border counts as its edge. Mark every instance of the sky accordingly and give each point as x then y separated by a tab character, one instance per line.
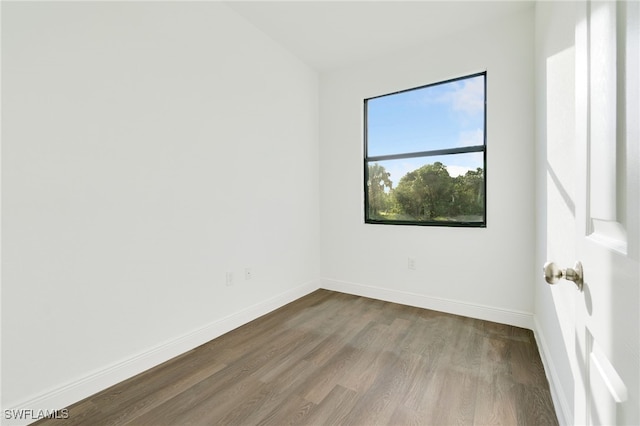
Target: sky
447	115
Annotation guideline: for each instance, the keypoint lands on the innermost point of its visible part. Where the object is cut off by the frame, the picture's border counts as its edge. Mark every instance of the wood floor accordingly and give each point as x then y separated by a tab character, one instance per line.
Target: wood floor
331	358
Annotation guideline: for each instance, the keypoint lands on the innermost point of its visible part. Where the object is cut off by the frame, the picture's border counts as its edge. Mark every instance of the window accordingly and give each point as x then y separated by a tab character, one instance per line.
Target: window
425	155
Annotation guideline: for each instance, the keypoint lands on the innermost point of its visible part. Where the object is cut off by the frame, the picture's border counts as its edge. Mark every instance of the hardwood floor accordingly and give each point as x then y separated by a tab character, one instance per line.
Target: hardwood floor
332	358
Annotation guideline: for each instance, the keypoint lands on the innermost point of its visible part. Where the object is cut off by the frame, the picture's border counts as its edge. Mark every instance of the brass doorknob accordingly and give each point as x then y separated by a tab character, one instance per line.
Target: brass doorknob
553	274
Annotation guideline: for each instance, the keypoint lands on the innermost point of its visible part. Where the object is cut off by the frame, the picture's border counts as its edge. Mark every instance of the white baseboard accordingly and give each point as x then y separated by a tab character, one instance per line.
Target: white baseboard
563	411
77	390
488	313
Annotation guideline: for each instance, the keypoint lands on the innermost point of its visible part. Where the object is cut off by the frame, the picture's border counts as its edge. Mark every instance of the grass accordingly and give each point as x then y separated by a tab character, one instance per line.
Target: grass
392	216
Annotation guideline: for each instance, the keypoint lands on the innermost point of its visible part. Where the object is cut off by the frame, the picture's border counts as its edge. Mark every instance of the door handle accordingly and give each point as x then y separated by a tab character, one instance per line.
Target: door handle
553	274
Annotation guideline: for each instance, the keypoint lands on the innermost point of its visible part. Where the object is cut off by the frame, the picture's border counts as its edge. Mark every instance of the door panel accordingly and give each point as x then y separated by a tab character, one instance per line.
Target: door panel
607	236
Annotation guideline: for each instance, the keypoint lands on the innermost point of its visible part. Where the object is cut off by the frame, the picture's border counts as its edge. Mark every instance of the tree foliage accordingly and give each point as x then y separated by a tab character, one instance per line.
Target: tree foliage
428	193
378	180
425	193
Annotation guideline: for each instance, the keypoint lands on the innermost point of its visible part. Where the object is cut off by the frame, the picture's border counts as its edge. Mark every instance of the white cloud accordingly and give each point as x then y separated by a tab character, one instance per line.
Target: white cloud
466	96
458	170
471	137
469	98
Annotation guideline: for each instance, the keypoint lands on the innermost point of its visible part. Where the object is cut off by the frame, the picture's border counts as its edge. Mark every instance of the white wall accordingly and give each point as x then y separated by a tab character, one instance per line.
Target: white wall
148	148
484	273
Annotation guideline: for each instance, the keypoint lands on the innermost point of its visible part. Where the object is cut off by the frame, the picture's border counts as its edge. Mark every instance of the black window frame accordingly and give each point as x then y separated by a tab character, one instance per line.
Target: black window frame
438	152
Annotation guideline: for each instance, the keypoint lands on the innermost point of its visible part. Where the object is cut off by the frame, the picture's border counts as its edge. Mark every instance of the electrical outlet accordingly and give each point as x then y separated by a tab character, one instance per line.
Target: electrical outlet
411	263
229	279
248	273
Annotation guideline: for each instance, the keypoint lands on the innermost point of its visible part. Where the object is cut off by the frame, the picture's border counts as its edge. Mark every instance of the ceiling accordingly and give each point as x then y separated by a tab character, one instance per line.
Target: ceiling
332	34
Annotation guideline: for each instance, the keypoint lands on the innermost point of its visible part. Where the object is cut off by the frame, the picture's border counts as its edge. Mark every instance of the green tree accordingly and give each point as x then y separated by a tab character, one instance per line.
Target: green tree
379	185
469	193
426	193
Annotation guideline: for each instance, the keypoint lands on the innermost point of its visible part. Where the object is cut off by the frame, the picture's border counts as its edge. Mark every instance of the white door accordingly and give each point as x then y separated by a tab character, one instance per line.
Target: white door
608	213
